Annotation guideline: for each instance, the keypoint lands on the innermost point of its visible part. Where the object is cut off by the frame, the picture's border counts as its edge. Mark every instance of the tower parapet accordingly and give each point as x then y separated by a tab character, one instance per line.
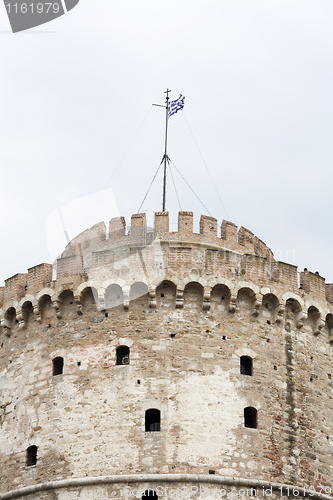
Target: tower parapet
227	251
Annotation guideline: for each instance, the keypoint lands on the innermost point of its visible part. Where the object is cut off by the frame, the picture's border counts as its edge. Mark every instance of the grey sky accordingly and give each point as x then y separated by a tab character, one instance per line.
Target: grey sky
77	94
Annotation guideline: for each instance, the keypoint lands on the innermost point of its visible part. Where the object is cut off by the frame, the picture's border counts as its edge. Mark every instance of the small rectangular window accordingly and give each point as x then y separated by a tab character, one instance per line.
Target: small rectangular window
123	355
153	420
31	456
246	365
58	366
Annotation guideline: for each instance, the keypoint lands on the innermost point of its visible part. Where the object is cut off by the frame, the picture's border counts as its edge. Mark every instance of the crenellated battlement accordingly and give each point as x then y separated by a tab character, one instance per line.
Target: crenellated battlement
242	241
139	254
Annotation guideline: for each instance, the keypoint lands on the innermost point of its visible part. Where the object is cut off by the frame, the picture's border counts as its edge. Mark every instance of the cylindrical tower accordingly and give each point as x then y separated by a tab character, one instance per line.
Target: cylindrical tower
169	361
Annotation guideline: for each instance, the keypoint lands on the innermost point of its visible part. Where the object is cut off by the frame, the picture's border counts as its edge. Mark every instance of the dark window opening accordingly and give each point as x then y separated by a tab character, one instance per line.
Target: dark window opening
152	420
172	335
223	337
123	353
106	315
211	471
246	365
79	363
250	417
162	294
151	494
58	366
31	456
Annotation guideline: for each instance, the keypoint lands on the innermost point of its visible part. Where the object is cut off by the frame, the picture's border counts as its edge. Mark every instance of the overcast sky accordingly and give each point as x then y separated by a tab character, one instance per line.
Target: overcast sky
77	118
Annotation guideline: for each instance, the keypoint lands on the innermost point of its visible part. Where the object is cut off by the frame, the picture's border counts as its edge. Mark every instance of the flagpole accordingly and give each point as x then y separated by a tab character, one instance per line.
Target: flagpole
165	148
175	107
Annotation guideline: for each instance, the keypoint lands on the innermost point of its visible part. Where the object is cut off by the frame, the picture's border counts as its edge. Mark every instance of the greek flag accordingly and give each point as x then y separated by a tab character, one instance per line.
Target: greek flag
176	105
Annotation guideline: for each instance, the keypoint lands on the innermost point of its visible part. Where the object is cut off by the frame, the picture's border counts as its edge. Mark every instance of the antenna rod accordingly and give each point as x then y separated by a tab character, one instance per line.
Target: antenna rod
165	150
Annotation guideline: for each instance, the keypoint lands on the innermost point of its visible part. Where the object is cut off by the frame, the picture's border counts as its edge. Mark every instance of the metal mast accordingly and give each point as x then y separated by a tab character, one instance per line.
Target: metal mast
165	158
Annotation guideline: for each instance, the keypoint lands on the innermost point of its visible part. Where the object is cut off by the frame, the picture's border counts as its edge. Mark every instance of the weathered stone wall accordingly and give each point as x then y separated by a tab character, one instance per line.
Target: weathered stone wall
188	307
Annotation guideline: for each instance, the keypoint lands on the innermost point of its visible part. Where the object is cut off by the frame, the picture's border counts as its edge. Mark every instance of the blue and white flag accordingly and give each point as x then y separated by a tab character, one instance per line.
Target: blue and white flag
176	105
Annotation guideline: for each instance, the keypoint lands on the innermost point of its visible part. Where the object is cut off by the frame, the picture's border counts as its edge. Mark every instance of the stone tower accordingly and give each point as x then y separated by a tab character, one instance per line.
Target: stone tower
181	363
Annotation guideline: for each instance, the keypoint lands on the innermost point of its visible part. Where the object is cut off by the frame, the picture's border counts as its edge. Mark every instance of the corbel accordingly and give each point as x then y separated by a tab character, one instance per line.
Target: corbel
21	321
7	328
206	298
101	306
152	296
280	313
37	313
56	303
257	304
179	298
78	302
233	302
126	291
301	319
319	326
